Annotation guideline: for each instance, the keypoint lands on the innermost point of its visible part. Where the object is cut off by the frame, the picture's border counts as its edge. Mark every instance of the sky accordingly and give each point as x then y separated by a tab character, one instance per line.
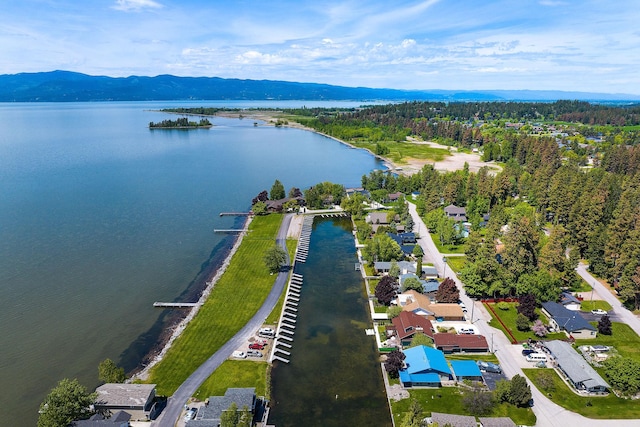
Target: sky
570	45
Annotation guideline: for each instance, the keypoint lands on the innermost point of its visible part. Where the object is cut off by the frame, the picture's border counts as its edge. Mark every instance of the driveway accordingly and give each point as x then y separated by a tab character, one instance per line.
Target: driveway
621	313
175	403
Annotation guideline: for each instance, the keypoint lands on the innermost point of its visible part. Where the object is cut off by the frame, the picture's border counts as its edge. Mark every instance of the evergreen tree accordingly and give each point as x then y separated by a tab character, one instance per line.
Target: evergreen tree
277	191
604	325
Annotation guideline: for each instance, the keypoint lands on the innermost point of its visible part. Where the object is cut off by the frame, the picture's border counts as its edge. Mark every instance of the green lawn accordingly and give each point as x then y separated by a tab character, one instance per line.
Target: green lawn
606	407
273	318
235	373
456	262
447	249
623	338
593	305
484	357
400	152
449	400
508	317
233	301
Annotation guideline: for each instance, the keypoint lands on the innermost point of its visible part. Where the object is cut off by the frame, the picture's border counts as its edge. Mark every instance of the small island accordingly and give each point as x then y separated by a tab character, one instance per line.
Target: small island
181	123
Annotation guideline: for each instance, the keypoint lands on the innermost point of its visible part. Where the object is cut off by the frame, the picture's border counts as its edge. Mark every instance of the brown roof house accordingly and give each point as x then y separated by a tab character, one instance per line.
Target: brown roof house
420	304
138	400
453	343
407	324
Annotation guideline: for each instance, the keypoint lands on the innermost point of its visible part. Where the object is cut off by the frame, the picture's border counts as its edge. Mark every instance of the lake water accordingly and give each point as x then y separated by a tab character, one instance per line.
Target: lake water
100	217
334	376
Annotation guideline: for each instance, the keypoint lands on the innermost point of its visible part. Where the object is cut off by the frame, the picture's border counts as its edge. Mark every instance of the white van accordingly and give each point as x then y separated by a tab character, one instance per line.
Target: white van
536	357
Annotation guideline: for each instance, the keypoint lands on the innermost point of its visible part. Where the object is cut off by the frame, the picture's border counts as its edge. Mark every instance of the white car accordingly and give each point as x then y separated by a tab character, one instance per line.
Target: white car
254	353
598	312
239	355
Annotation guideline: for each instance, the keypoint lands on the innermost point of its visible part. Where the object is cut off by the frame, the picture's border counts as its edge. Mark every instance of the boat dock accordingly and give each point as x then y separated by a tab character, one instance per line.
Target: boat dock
236	213
175	304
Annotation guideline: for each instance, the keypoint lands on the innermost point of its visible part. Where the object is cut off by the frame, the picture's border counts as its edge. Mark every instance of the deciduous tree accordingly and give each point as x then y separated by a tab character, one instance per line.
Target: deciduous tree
394	363
275	258
67	401
447	291
604	325
527	306
109	372
386	290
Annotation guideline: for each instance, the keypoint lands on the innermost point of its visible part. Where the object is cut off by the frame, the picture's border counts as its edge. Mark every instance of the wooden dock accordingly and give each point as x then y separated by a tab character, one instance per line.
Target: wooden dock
175	304
236	213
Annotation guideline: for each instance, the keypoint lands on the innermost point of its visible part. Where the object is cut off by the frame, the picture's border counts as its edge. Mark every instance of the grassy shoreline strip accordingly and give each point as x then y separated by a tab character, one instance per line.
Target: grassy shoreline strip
233	301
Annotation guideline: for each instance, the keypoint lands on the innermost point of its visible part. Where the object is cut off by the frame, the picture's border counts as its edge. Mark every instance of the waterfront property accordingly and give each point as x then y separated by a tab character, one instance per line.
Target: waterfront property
407	324
456	343
575	368
210	415
424	367
452	420
135	399
421	304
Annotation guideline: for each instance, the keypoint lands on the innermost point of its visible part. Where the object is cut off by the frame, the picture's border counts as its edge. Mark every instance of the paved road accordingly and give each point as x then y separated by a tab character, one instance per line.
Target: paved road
621	313
175	404
548	414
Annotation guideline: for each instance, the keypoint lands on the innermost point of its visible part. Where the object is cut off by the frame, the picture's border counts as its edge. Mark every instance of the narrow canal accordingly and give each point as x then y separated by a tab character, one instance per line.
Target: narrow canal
334	378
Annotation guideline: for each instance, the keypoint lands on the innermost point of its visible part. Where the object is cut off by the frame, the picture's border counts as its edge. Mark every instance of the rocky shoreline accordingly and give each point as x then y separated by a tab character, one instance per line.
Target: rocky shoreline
157	353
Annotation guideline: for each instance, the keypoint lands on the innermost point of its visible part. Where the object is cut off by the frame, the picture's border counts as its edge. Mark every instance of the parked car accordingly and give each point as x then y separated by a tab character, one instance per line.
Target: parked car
191	413
254	353
239	354
256	346
598	312
489	367
467	331
267	333
528	351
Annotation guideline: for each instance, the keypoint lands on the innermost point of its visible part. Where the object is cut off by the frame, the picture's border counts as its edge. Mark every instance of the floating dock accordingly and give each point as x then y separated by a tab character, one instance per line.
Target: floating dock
175	304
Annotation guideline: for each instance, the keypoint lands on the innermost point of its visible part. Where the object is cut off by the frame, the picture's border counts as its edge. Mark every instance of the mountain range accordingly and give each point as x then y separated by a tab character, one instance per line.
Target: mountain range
67	86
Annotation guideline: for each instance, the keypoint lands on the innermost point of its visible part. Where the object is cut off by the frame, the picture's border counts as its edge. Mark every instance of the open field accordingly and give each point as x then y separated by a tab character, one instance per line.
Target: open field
232	302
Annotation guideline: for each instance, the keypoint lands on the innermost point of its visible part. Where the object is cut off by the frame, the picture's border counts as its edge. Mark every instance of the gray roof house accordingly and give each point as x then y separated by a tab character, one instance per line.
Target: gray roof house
496	422
119	419
456	213
452	420
575	367
406	267
210	414
570	301
135	399
571	322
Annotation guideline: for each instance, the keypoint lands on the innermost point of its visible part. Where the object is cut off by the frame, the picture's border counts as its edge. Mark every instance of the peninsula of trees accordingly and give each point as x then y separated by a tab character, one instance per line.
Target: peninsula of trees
181	123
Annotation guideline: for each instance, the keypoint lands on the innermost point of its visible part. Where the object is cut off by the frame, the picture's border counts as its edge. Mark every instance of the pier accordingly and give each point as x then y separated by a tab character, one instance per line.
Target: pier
175	304
229	230
236	213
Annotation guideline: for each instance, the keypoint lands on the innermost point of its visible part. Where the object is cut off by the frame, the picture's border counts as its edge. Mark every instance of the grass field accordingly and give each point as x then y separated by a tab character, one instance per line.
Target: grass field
235	373
399	152
593	305
447	249
449	401
508	317
605	407
456	263
234	300
622	337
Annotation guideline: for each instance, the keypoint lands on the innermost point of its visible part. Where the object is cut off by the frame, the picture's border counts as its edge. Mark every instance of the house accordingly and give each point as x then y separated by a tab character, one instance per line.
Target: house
456	213
420	304
454	343
428	271
210	414
377	219
569	301
393	197
407	324
406	241
465	370
496	422
575	367
452	420
138	400
424	367
563	319
119	419
278	205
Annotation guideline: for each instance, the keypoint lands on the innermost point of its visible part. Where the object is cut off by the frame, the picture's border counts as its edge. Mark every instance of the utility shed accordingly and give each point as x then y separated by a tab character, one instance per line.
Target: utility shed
576	368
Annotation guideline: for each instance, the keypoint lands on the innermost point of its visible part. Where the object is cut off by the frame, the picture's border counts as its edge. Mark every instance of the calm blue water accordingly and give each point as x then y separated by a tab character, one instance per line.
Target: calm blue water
100	217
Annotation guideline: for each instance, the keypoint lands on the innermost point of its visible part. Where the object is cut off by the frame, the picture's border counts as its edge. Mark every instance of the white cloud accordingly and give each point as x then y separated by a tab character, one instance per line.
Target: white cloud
135	5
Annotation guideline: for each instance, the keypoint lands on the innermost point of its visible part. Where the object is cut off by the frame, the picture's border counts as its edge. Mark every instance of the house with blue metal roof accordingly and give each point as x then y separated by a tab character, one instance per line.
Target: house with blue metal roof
466	370
571	322
424	367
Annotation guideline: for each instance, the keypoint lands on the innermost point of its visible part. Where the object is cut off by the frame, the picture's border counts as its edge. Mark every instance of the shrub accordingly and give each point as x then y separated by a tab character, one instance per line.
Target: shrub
503	305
